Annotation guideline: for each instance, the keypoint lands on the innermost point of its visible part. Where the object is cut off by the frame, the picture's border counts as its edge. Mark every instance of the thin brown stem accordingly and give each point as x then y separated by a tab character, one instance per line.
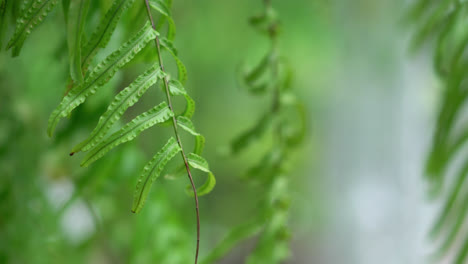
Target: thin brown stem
174	124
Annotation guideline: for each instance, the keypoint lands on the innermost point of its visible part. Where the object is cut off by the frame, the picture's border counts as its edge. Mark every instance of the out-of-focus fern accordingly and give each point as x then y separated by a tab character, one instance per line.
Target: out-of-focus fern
87	80
284	121
446	23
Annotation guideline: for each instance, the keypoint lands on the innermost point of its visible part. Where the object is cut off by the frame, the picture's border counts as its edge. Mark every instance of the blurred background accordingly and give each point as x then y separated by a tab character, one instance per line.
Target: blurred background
358	192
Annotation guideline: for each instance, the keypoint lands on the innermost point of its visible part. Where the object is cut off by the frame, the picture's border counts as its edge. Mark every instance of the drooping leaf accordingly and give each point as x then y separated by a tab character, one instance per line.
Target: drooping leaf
151	172
122	101
101	74
29	19
182	71
161	7
251	135
258	70
175	89
197	162
186	124
103	32
131	130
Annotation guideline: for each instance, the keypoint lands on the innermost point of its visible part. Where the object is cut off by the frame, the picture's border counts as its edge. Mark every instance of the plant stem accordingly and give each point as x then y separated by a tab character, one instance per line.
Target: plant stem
174	124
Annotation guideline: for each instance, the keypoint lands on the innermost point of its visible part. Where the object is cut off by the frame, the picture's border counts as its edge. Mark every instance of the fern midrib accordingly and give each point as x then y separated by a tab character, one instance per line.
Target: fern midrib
174	125
94	48
120	136
28	23
97	78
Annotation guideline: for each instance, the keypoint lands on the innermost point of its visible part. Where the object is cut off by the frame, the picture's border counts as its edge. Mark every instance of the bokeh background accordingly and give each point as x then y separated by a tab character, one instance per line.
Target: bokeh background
358	193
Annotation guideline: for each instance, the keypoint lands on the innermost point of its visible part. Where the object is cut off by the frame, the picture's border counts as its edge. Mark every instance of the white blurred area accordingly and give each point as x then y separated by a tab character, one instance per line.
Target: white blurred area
376	131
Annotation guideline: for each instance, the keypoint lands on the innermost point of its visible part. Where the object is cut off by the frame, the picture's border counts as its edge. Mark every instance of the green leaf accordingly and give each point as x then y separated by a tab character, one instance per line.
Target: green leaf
66	9
175	89
182	71
29	19
76	21
103	32
101	74
151	172
161	7
131	130
199	144
187	125
251	135
197	162
122	101
258	70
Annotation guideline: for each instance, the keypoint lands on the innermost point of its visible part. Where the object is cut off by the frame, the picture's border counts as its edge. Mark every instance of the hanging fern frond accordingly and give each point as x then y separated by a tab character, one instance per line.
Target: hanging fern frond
285	123
30	17
446	22
87	83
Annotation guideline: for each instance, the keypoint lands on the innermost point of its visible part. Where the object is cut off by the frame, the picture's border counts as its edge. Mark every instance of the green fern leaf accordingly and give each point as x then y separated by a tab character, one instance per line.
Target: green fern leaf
182	71
103	32
151	172
175	89
162	8
197	162
78	11
101	74
131	130
186	124
30	18
122	101
245	139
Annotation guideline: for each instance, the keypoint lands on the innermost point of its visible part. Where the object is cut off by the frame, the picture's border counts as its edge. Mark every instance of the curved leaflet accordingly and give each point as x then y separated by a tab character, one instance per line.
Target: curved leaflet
131	130
30	18
151	172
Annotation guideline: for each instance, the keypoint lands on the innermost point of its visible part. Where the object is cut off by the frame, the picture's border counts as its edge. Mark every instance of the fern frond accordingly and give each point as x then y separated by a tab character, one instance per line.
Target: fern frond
122	101
285	123
151	172
30	18
101	74
131	130
96	144
101	36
